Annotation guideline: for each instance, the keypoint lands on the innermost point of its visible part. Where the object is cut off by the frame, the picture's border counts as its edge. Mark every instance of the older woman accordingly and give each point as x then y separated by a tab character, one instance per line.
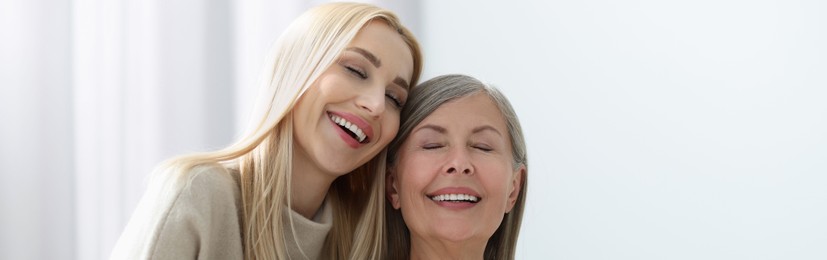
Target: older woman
457	172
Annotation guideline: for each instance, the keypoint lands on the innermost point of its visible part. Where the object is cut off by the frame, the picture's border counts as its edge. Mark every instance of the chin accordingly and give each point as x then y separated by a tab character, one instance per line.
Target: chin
455	234
340	169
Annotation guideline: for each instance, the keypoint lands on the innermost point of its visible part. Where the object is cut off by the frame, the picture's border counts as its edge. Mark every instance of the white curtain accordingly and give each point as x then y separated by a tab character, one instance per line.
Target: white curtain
97	92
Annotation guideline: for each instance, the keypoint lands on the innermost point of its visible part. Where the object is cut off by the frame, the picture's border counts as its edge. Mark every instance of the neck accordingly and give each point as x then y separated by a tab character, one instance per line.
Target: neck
308	187
439	249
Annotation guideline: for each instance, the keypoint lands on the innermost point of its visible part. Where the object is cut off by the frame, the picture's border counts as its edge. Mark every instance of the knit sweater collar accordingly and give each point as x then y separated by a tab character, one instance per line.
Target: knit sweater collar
311	234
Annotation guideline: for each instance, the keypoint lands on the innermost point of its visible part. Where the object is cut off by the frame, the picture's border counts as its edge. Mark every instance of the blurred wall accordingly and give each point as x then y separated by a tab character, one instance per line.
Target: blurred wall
656	129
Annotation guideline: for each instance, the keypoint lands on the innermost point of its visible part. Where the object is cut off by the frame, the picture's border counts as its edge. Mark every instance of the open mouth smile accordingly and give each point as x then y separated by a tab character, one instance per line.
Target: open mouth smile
350	128
455	198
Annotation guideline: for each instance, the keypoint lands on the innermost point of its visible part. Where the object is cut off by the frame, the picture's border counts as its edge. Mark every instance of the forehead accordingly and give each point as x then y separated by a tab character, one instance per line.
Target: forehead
468	112
387	45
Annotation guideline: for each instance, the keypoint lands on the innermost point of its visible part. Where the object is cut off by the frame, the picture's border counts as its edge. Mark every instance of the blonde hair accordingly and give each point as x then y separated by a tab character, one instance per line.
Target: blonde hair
263	155
424	100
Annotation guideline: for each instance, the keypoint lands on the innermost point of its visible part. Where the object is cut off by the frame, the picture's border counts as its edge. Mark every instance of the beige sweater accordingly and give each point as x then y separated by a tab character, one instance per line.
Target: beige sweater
197	216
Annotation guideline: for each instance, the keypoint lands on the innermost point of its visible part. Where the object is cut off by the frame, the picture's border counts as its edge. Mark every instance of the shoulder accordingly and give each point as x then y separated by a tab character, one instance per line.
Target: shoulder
209	181
203	192
204	216
173	187
186	213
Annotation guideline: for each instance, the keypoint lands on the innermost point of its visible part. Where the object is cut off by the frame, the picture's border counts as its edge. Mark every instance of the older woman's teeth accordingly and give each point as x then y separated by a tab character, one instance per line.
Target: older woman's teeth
455	197
360	135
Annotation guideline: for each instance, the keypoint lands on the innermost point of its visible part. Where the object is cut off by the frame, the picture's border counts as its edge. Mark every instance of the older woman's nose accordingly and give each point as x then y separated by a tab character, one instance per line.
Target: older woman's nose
458	162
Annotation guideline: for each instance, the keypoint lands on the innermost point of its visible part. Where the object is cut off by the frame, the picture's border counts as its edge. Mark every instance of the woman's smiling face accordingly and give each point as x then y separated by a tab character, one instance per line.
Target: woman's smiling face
351	112
454	178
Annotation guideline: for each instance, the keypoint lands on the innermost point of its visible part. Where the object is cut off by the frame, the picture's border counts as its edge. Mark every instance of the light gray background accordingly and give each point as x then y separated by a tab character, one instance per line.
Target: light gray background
657	129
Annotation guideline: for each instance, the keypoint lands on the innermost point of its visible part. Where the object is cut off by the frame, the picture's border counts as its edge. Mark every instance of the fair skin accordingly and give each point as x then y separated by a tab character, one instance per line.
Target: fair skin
365	87
454	179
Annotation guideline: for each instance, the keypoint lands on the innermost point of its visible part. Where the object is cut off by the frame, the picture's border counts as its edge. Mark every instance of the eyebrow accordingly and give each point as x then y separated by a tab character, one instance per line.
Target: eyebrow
485	127
436	128
402	83
476	130
372	58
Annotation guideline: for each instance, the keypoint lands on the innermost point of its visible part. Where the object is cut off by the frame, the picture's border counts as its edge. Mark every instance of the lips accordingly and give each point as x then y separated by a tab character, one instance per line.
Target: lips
353	129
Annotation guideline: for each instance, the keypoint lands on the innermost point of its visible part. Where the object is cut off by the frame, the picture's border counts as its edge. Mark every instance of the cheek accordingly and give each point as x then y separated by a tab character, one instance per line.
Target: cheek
497	180
407	180
333	88
413	175
390	126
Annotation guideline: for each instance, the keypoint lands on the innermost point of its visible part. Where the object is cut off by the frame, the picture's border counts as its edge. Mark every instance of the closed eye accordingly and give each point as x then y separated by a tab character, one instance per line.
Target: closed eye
483	148
357	72
396	100
432	146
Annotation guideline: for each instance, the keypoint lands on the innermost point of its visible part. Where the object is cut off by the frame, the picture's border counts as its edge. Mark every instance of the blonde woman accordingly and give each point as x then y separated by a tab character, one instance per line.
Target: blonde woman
457	174
306	180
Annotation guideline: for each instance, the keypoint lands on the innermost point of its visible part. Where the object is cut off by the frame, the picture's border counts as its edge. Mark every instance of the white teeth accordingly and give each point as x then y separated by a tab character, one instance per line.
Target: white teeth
455	197
360	135
353	128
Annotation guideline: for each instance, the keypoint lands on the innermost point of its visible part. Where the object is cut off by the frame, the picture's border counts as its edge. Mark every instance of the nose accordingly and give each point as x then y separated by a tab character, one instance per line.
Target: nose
373	101
458	162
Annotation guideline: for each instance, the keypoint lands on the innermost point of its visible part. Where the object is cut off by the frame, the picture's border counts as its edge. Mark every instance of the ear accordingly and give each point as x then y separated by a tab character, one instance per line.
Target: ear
391	192
516	184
